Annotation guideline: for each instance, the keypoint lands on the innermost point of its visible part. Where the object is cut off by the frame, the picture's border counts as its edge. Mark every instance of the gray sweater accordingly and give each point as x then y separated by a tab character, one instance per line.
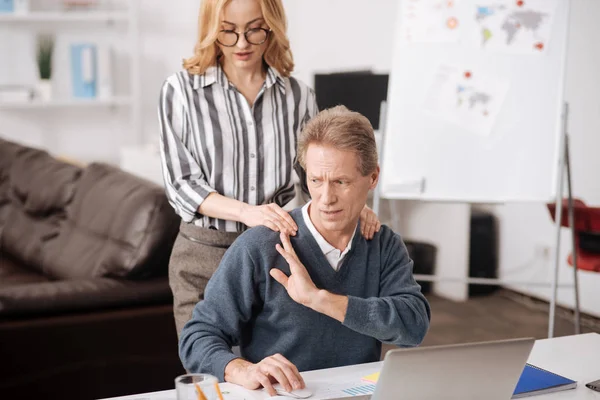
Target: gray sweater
244	306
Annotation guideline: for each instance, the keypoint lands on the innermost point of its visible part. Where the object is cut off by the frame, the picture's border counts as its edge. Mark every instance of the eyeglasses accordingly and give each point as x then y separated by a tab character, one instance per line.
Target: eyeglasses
254	36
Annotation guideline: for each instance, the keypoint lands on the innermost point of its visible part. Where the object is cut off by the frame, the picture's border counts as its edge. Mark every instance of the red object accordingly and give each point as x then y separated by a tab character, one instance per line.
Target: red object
520	3
468	74
452	23
539	46
587	222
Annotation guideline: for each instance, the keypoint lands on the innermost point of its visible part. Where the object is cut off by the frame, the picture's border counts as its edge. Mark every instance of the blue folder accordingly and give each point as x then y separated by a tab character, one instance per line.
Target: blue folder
7	6
534	381
83	70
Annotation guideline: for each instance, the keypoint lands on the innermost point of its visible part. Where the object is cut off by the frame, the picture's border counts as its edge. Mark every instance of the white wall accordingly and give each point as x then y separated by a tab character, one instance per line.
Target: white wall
337	35
331	35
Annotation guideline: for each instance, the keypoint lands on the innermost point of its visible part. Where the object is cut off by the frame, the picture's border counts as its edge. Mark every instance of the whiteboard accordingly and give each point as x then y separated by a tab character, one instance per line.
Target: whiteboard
428	155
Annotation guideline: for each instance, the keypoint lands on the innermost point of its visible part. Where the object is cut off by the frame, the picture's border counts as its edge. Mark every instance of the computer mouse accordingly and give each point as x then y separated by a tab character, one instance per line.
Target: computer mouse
294	394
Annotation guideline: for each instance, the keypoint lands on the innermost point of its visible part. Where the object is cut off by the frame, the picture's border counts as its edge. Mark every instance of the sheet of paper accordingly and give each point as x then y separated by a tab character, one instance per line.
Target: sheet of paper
468	98
430	20
509	26
337	390
373	378
320	391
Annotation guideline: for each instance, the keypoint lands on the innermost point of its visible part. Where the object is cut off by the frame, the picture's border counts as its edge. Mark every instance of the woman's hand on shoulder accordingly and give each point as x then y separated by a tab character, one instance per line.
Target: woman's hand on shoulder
369	223
270	215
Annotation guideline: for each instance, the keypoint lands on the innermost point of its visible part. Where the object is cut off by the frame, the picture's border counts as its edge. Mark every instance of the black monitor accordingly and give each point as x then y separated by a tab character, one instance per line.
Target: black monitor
360	91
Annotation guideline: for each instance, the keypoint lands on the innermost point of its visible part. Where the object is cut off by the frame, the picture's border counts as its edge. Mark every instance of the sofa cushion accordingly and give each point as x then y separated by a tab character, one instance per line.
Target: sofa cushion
42	184
34	190
8	153
78	295
118	225
22	236
12	273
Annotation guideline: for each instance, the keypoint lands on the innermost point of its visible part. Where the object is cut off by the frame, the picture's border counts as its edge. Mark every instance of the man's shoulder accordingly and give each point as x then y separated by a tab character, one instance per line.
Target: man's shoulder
386	232
256	237
390	245
386	237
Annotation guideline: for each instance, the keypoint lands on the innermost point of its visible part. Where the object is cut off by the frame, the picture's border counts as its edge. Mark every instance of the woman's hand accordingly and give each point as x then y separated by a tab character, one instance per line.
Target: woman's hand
369	223
270	215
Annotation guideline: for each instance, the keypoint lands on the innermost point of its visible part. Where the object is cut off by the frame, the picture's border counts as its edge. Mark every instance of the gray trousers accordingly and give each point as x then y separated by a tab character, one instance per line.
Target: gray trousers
195	257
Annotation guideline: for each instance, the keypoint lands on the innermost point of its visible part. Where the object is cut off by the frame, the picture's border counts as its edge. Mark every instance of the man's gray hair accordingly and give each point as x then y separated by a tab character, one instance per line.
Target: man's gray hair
344	130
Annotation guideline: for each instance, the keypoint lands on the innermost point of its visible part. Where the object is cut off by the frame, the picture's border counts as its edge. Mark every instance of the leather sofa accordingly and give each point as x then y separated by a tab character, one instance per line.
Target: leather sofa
85	305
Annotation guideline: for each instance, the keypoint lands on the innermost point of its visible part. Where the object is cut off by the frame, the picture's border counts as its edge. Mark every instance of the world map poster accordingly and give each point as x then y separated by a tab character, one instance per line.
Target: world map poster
505	26
510	26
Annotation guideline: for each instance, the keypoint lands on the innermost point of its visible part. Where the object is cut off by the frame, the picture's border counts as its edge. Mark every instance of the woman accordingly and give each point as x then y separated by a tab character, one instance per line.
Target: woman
229	124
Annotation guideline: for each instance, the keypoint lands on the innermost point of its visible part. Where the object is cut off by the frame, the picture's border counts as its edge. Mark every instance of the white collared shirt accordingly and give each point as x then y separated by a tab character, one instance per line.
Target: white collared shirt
333	255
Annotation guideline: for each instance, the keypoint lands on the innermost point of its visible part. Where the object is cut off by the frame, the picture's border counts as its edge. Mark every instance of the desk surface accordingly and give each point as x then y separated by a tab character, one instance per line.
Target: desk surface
577	357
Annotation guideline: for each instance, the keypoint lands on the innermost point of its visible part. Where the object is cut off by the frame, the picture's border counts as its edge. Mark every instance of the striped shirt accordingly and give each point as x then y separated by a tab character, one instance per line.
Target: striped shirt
211	140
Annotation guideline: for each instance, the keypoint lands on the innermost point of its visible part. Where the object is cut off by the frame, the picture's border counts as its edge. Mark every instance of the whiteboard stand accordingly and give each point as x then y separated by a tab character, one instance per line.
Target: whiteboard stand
376	192
564	168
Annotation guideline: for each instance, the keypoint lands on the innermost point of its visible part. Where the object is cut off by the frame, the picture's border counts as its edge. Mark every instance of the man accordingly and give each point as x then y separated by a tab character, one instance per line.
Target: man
323	298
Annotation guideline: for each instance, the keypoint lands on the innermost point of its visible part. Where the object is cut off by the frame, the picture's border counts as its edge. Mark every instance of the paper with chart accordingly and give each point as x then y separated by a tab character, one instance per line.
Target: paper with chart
320	390
337	390
430	21
465	97
510	26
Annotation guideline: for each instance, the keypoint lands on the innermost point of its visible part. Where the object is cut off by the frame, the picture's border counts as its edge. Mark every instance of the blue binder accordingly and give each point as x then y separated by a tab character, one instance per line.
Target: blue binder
534	381
7	6
83	70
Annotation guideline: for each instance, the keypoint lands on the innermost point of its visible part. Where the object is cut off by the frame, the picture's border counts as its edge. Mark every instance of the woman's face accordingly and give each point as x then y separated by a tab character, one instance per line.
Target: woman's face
243	16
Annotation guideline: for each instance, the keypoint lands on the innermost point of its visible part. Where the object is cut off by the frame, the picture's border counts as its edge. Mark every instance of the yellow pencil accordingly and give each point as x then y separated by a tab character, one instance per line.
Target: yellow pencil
201	395
218	391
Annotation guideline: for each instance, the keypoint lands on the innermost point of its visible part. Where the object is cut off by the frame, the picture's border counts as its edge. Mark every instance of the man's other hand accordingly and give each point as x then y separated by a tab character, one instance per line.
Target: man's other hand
272	369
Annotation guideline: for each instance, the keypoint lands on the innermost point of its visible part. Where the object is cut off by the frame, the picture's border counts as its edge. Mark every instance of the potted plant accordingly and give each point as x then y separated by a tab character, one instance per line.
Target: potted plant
45	49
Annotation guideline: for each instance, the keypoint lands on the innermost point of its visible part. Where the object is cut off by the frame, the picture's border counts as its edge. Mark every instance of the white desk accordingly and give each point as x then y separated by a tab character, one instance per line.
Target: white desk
576	357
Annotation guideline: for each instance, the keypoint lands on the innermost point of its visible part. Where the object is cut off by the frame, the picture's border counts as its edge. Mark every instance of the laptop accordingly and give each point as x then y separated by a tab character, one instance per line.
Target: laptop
486	370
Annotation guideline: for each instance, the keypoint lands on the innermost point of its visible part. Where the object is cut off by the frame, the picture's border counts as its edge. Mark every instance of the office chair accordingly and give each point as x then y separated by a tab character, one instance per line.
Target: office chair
587	234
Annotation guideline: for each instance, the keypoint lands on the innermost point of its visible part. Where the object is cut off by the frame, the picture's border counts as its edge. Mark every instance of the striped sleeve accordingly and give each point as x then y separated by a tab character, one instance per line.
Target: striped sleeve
312	109
185	183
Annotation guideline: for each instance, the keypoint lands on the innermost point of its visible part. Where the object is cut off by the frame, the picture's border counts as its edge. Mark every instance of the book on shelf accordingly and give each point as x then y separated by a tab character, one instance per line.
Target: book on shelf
14	6
16	94
7	6
105	71
92	70
83	70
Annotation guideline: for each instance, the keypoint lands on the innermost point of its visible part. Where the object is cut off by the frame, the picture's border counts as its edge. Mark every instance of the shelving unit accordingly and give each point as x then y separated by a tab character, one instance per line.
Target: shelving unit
67	16
54	21
117	101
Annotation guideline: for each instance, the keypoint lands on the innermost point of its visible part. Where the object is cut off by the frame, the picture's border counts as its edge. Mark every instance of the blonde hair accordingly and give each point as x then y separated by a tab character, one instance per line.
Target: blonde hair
278	54
343	130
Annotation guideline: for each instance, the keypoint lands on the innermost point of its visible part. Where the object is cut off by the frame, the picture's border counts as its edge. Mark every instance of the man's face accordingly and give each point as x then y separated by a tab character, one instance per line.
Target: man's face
338	189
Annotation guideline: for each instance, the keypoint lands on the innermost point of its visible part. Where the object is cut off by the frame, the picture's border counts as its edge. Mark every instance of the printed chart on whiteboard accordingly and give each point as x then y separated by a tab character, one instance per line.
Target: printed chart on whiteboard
468	98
